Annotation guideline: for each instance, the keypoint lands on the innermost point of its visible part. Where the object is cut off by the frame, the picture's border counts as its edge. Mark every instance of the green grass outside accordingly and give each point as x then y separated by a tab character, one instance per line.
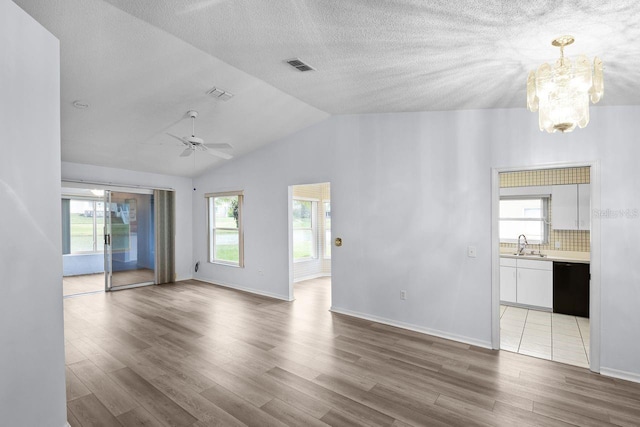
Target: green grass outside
302	250
229	253
82	234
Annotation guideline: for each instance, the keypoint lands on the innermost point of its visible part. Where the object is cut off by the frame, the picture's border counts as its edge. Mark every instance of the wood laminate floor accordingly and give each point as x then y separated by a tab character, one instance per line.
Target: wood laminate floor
74	285
194	354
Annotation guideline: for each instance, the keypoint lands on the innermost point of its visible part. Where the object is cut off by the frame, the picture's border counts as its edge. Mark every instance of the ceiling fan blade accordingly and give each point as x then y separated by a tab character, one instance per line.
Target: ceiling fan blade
218	153
187	152
218	146
184	141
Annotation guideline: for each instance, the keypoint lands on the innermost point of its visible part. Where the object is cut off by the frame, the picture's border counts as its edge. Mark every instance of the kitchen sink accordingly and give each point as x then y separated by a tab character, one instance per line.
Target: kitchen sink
530	255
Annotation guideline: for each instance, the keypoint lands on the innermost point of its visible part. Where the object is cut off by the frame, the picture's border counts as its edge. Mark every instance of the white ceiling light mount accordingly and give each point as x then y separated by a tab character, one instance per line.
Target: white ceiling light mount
561	93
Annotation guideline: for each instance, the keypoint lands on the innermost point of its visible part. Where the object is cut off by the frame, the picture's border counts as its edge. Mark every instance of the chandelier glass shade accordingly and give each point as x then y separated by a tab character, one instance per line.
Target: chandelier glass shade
561	93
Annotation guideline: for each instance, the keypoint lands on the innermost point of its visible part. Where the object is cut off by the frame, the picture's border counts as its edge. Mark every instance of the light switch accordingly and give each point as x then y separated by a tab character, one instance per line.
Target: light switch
471	251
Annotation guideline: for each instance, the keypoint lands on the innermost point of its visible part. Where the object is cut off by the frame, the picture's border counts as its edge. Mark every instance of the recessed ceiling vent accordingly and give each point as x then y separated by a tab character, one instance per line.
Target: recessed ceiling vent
216	92
299	65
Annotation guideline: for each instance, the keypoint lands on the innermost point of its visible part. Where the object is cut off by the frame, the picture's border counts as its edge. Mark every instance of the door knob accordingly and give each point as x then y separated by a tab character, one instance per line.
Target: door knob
338	241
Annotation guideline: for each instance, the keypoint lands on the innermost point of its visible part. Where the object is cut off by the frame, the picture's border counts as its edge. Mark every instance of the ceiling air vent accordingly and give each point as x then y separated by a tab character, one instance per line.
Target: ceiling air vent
299	65
220	94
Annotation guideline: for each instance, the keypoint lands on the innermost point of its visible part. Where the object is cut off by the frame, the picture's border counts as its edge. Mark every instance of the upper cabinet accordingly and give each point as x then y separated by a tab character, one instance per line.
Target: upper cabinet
584	206
571	207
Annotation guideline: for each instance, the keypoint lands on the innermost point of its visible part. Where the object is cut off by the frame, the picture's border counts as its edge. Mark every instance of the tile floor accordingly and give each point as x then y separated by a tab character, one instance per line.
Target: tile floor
550	336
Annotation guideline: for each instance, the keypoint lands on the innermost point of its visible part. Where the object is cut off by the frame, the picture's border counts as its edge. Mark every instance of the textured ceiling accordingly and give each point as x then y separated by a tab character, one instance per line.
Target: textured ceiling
140	81
142	64
405	55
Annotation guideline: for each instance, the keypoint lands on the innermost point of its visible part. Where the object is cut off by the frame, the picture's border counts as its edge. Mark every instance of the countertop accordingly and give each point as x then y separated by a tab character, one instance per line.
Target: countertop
558	256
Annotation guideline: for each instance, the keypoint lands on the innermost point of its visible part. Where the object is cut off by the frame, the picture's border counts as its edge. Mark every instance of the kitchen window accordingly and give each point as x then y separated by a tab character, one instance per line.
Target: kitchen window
524	215
226	240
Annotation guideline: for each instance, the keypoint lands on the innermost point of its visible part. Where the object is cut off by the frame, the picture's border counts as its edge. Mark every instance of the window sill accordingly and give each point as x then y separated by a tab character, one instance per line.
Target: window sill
227	264
296	261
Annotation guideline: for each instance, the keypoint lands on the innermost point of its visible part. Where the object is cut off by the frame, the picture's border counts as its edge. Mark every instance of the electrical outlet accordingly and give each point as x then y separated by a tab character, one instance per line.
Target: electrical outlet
558	245
403	294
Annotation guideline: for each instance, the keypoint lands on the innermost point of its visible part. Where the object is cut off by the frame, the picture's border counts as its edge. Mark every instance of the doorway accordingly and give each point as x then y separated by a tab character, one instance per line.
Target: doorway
108	239
130	240
544	233
310	242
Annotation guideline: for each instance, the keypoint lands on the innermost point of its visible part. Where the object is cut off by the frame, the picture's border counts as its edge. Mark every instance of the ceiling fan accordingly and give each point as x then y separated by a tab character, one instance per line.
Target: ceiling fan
193	143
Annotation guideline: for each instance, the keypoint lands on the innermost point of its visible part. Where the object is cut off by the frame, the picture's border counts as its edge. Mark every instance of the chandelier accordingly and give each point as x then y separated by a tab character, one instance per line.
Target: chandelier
561	93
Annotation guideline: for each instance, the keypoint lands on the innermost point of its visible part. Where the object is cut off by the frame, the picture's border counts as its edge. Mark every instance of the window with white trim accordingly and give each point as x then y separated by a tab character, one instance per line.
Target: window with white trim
226	240
305	231
524	215
86	226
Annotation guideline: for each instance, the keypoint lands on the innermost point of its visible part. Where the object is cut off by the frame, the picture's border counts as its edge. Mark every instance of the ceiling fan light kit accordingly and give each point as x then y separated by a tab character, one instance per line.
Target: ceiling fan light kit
561	93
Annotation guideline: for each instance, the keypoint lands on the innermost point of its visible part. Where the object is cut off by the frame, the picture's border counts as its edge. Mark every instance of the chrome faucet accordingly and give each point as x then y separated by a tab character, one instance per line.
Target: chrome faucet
522	246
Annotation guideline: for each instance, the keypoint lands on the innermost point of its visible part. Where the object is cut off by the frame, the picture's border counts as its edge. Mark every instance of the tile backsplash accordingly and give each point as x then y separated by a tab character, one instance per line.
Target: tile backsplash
570	240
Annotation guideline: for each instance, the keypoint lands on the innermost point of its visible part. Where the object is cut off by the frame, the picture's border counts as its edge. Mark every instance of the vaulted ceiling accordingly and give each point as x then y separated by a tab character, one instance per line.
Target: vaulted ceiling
141	64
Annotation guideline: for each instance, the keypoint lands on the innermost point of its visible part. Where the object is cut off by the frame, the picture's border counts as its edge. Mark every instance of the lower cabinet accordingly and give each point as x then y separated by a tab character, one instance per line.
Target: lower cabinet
508	284
526	282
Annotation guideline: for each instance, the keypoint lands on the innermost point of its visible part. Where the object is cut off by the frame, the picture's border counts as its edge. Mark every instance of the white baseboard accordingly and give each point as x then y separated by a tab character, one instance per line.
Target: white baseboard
415	328
181	278
245	289
623	375
311	277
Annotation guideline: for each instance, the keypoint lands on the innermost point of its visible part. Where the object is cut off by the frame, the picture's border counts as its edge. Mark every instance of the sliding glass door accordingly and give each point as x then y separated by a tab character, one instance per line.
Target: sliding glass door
129	240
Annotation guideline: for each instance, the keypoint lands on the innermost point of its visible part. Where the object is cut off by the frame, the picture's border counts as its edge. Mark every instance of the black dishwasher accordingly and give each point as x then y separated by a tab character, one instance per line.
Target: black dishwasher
571	288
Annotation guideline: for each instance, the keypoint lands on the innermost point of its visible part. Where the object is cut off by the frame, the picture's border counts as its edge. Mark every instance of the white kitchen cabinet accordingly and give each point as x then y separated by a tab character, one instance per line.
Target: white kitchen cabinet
526	282
535	283
571	207
508	284
564	207
584	206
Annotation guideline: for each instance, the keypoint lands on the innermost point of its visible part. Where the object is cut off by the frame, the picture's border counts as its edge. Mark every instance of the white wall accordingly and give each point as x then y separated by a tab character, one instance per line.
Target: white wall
32	384
183	189
434	171
77	264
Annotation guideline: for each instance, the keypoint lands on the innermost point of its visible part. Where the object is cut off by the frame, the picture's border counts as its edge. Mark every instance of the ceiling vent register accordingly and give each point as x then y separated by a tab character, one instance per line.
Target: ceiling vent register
220	94
299	65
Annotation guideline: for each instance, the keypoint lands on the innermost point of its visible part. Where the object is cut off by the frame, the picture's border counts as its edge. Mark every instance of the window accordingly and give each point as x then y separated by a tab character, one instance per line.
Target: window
327	229
224	213
305	244
526	216
86	220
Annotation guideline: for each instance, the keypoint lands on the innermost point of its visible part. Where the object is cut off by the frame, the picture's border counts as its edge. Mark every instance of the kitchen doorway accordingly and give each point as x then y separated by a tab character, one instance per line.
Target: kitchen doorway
310	242
544	239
